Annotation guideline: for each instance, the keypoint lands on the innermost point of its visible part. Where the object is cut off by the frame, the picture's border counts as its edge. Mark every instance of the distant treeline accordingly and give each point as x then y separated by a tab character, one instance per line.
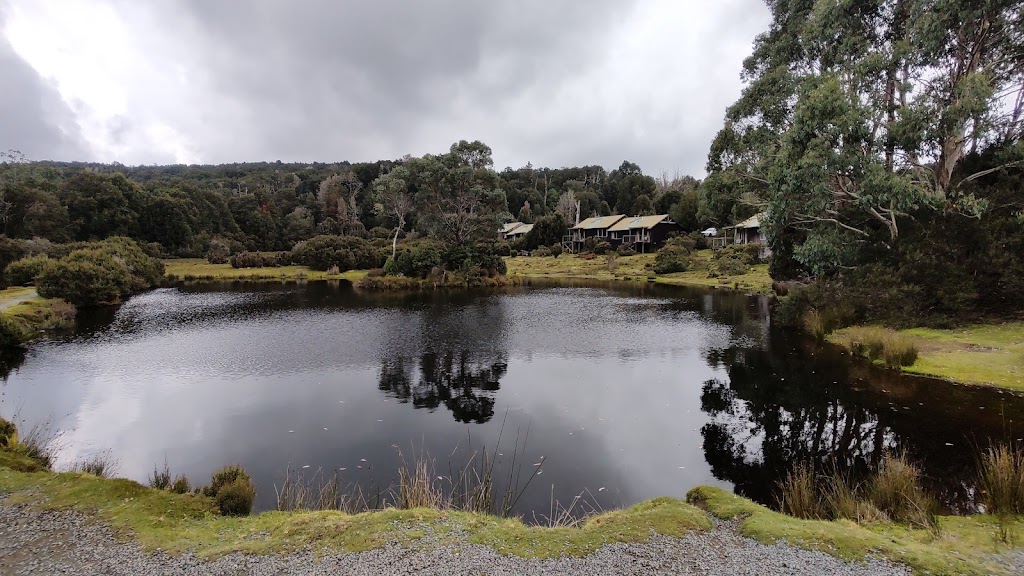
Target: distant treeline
269	206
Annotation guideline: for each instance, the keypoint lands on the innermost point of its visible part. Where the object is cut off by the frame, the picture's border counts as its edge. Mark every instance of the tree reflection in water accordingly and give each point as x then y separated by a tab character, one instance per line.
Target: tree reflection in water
463	384
790	401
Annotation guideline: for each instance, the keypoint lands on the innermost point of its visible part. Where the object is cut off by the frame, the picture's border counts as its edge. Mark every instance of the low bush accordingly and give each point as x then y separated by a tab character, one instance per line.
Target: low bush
748	254
625	250
219	252
233	491
601	247
25	271
8	433
345	252
260	259
12	332
732	266
1002	480
180	485
101	273
674	256
161	478
556	250
415	260
541	252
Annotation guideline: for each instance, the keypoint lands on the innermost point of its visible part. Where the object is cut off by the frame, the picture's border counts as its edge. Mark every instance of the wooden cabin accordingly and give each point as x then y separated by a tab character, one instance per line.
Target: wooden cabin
644	233
518	232
508	228
746	232
596	227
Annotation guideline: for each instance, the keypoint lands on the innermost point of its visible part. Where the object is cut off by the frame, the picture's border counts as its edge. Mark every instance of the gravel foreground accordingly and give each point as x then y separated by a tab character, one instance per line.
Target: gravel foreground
35	542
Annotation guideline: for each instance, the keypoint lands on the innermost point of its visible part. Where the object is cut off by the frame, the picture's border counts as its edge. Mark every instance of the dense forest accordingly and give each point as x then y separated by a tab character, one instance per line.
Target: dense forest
272	205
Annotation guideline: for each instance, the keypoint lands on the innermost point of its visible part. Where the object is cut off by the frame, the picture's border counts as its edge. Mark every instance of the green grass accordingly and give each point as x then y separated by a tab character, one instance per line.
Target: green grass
34	313
196	269
158	519
637	268
961	546
989	354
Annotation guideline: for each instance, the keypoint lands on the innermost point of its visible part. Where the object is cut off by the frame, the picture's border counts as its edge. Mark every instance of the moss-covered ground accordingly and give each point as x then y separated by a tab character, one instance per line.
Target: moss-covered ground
197	269
177	523
991	354
960	546
637	268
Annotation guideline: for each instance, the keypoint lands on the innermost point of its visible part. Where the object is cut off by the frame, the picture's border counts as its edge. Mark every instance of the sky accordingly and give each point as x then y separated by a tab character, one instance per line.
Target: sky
554	83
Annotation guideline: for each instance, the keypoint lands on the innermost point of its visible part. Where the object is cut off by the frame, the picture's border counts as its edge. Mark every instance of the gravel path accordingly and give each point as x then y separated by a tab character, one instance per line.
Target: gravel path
33	542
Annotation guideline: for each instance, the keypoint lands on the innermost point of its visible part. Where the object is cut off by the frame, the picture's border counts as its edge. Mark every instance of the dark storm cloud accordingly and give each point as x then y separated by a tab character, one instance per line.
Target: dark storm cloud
355	79
33	118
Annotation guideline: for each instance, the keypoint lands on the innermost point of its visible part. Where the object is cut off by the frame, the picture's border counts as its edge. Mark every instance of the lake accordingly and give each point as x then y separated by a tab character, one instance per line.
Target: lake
623	391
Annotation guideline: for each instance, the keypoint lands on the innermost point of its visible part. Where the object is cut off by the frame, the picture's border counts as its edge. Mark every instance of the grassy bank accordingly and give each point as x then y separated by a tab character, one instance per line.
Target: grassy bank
637	268
176	523
990	354
196	269
33	314
960	545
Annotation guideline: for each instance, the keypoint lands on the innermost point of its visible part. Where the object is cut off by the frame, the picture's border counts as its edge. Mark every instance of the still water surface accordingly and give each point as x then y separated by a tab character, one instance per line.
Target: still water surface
624	391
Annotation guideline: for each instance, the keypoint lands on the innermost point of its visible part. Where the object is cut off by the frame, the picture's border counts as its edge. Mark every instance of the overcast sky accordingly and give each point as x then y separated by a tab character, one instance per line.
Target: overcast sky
555	83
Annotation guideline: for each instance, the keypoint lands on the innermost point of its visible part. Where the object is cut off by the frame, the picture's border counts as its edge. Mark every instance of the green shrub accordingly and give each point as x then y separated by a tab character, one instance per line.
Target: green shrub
601	247
260	260
24	272
161	479
556	250
233	490
417	261
180	485
8	433
236	498
541	252
219	252
732	266
674	256
390	267
12	332
100	273
345	252
625	250
749	254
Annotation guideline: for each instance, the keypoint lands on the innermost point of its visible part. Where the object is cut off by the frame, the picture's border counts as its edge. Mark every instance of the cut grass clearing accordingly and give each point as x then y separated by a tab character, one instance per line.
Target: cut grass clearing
637	268
960	546
197	269
175	523
989	354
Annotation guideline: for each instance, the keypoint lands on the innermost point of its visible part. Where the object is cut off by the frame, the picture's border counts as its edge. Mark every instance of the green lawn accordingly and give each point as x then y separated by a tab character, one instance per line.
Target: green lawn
189	269
34	313
636	268
991	354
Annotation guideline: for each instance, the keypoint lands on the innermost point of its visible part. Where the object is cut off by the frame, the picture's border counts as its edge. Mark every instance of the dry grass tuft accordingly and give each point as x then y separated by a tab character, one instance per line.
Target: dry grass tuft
1002	480
877	343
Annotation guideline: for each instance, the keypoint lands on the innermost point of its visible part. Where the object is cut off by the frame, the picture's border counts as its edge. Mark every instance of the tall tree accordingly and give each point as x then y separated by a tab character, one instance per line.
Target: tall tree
396	202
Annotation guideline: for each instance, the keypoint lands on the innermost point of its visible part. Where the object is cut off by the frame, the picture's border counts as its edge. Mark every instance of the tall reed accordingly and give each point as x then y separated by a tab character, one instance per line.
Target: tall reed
1002	479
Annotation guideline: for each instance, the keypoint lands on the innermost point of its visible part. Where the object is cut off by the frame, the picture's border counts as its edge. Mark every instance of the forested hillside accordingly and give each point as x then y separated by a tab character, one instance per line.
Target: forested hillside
272	205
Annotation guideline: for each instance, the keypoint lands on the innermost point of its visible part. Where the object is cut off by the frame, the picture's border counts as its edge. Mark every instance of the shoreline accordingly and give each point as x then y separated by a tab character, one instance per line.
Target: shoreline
161	522
990	355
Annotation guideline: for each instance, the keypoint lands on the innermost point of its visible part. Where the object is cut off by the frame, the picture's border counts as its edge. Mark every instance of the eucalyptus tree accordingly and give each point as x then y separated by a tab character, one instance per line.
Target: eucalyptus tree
857	114
392	190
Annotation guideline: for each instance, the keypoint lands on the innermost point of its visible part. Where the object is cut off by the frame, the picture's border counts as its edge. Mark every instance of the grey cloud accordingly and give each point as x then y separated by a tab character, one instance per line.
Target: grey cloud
538	80
33	118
